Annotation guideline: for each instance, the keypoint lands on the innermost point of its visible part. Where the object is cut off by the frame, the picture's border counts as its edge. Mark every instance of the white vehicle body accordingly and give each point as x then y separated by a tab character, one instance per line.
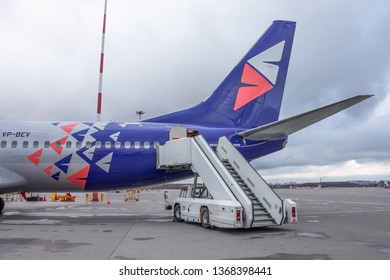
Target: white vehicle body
233	194
195	204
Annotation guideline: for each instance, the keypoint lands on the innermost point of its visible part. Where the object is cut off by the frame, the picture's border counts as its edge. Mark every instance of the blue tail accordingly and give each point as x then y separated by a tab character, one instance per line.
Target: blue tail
251	95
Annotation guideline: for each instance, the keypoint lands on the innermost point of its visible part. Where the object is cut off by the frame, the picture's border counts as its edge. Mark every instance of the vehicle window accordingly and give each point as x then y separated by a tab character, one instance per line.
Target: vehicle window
107	145
98	144
35	144
200	192
25	144
78	144
47	144
14	144
127	145
183	192
3	144
147	145
117	145
68	144
156	144
88	144
137	144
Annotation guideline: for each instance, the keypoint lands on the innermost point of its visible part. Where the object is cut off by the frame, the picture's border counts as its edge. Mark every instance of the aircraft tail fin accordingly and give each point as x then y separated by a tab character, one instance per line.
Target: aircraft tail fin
252	93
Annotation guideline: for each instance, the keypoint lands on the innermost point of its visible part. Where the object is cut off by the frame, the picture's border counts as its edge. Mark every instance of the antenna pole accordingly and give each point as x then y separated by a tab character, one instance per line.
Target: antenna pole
100	93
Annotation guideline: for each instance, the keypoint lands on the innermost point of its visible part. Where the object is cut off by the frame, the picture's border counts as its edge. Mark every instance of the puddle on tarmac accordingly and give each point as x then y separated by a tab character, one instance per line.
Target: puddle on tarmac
312	235
31	222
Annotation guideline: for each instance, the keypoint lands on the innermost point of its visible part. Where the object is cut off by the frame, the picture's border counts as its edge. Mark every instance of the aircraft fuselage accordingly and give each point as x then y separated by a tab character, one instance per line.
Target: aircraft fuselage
83	156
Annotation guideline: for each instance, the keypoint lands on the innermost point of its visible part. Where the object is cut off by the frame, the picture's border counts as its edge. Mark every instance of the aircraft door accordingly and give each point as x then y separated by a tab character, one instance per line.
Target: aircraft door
178	132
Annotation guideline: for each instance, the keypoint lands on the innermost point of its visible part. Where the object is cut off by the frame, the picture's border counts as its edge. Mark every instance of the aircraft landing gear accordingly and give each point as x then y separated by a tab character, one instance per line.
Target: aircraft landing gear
1	205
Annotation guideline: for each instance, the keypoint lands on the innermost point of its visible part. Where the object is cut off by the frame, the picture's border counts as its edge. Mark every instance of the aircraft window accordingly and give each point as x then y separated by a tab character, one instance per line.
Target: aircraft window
35	144
25	144
117	145
147	145
14	144
127	145
88	144
98	144
3	144
58	144
156	144
47	144
107	145
78	144
137	144
68	144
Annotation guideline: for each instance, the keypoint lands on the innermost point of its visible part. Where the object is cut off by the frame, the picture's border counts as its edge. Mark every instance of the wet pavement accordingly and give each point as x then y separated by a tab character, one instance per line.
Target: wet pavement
333	224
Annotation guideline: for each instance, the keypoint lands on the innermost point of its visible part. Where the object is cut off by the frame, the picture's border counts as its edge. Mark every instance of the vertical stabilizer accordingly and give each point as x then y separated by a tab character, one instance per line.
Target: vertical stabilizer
252	93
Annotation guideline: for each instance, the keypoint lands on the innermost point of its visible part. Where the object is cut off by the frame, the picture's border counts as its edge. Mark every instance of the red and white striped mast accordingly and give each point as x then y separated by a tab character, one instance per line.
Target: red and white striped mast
100	93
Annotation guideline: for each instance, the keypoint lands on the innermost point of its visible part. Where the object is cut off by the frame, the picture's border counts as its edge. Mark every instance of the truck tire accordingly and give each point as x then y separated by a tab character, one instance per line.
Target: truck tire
177	213
1	204
205	217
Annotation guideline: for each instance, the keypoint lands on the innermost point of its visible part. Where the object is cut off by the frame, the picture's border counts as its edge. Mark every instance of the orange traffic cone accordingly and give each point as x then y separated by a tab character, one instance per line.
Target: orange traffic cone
108	200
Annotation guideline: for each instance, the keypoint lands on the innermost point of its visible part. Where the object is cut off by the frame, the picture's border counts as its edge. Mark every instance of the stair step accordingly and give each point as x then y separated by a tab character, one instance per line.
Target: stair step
259	216
265	224
263	219
258	206
256	202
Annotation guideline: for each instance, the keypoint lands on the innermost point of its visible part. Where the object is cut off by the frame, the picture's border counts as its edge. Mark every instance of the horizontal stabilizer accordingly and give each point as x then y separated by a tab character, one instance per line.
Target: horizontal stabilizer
293	124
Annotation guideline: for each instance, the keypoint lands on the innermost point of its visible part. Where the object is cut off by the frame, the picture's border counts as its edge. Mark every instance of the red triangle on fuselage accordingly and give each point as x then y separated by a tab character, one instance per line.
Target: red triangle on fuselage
58	147
80	177
35	157
69	127
256	86
48	169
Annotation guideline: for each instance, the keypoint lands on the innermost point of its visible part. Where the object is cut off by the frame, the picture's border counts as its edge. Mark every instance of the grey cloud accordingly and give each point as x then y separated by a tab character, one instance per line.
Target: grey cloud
162	56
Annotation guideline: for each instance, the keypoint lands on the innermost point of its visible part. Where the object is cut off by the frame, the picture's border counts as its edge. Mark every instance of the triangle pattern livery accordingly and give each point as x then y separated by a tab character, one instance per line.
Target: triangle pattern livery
259	75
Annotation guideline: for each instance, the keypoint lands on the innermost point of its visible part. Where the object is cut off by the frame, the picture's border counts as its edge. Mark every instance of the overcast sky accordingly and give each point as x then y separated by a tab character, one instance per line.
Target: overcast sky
162	56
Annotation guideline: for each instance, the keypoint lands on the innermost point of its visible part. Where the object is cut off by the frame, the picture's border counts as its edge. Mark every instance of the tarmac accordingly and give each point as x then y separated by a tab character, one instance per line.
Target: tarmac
334	223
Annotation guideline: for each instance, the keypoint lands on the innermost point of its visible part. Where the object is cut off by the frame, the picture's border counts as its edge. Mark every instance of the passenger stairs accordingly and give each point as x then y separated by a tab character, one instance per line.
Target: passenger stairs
227	176
261	216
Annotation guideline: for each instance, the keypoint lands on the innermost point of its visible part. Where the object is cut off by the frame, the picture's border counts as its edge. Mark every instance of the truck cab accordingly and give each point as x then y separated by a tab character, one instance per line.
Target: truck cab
196	204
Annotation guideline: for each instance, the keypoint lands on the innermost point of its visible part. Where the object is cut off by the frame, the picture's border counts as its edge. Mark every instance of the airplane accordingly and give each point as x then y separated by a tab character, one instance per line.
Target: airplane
78	156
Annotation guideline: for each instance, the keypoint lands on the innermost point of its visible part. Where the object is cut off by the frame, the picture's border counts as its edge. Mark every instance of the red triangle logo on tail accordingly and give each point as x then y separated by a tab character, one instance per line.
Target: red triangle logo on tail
256	85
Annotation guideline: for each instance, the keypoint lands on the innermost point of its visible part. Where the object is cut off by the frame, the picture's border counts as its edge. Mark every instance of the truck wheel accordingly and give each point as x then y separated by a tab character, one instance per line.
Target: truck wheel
1	204
205	217
177	213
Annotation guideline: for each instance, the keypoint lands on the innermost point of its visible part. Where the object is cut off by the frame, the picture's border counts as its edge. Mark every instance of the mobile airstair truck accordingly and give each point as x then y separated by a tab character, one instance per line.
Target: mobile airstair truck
232	195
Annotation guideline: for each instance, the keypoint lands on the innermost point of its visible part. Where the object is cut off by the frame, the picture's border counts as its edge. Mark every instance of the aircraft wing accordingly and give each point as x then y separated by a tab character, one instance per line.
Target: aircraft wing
290	125
9	180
